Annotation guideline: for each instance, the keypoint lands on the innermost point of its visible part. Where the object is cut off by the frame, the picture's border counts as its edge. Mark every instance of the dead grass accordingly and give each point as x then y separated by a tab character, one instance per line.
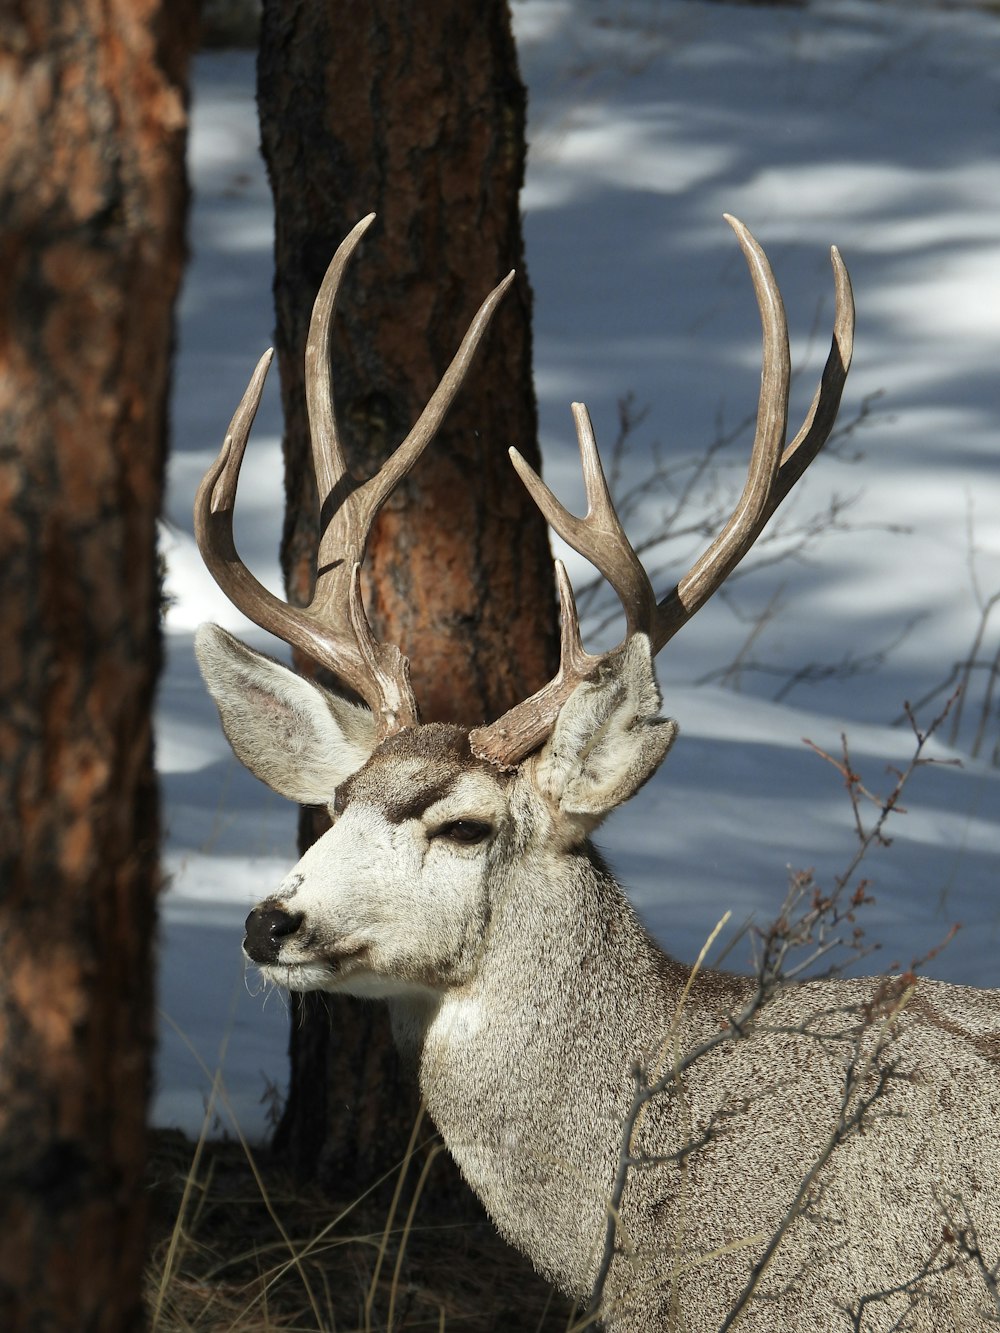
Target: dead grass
236	1245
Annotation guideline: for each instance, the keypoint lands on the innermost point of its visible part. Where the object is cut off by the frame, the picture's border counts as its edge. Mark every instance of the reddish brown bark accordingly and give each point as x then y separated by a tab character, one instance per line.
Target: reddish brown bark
91	213
417	113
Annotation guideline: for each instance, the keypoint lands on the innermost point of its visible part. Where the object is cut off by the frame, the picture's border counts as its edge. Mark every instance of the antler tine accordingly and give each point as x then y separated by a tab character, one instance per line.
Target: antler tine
213	524
599	536
522	728
425	427
328	455
345	536
759	500
373	494
213	513
715	564
822	414
333	629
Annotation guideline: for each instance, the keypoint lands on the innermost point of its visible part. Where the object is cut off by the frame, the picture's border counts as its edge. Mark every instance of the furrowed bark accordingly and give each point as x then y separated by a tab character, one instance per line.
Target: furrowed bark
92	201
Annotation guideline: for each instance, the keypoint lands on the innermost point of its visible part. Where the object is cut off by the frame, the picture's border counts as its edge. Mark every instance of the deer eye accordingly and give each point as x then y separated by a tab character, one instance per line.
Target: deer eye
465	831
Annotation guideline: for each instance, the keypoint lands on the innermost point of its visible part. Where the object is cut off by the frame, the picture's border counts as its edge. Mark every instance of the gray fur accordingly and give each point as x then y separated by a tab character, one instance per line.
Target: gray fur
525	988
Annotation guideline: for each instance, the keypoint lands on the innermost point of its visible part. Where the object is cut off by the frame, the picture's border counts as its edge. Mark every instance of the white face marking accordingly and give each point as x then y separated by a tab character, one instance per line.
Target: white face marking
395	897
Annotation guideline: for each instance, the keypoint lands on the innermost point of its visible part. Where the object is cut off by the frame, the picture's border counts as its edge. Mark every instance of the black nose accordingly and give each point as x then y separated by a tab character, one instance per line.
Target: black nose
266	927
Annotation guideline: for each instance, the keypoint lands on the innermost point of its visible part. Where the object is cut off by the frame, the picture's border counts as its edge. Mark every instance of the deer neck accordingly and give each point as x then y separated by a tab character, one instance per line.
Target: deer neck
571	992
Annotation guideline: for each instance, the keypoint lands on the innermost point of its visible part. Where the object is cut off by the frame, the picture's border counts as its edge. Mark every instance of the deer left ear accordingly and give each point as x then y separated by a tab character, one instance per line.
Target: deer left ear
608	739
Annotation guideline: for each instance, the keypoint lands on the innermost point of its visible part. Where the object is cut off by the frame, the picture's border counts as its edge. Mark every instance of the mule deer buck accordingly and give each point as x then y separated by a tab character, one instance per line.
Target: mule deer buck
818	1164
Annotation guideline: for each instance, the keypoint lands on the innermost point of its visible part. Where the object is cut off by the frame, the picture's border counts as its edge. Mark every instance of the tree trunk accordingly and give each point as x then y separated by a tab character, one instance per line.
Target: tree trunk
417	113
92	198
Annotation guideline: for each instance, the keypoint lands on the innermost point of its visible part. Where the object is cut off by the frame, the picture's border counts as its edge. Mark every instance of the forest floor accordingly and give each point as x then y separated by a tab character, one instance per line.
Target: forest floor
237	1244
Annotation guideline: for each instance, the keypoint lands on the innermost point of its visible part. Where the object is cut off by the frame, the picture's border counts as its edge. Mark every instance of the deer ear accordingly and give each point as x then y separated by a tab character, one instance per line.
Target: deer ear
608	739
293	735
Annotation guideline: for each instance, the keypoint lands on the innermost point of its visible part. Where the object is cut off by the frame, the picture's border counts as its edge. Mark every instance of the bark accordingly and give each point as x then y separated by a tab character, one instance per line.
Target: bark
92	200
417	113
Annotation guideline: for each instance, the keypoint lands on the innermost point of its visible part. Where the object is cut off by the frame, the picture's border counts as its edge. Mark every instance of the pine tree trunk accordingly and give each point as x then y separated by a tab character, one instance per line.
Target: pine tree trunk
417	113
92	200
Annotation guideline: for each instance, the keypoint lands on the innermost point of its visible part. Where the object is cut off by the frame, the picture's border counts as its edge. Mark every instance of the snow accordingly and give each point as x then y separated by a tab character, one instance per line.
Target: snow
863	123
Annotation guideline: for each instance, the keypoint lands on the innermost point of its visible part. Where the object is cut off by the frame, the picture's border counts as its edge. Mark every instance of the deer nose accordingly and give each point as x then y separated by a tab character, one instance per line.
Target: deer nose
266	927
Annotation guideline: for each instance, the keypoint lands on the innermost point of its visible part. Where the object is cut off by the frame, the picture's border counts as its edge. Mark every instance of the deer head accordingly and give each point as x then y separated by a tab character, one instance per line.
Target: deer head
432	824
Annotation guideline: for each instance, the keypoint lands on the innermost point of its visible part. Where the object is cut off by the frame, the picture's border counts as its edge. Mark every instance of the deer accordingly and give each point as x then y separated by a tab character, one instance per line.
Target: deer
661	1146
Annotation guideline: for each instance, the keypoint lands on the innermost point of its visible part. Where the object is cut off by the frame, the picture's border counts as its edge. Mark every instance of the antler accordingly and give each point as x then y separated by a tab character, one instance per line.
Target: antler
599	536
333	629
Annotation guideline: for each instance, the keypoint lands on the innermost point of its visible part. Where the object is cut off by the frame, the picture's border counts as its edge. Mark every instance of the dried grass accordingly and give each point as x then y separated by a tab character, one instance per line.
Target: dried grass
238	1245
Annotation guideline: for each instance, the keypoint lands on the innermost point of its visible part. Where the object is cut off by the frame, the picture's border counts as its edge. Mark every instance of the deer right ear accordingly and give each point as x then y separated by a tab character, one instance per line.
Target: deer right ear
293	735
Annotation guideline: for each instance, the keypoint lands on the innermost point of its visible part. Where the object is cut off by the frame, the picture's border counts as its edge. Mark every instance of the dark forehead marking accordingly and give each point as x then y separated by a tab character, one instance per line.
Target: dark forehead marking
413	805
442	755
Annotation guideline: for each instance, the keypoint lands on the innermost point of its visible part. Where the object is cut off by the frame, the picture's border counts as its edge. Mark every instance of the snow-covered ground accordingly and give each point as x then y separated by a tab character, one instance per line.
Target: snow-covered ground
861	122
